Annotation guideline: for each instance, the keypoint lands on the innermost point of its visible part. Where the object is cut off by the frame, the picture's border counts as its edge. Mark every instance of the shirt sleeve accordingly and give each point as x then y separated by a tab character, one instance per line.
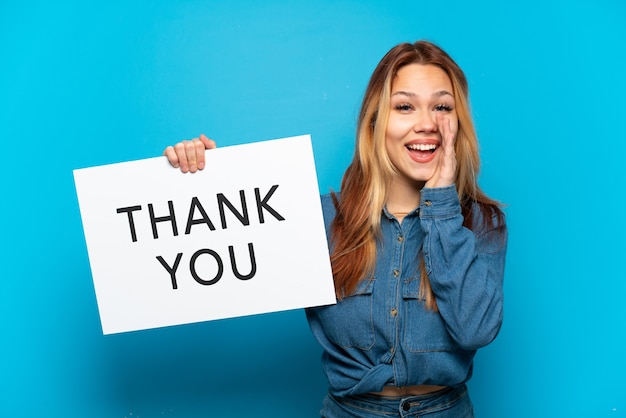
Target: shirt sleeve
465	268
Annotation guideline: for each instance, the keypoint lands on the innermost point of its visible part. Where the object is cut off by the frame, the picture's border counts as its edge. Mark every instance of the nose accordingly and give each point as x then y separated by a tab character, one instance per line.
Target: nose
425	122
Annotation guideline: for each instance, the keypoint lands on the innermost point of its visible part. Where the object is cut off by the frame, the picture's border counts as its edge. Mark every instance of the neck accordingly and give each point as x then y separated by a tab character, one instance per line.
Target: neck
402	197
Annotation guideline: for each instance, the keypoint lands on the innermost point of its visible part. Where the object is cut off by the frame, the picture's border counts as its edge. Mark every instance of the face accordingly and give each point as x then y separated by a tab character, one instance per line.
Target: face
419	94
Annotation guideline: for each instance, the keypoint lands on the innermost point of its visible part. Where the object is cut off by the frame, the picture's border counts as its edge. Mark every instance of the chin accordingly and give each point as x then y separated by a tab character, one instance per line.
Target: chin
423	176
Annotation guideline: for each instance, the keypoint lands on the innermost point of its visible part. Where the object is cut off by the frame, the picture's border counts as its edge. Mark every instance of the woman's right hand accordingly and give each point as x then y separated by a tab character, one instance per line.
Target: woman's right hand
188	155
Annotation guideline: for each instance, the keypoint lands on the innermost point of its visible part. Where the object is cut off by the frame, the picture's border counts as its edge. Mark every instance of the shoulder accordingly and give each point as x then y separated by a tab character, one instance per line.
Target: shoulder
328	208
489	226
327	200
328	204
487	216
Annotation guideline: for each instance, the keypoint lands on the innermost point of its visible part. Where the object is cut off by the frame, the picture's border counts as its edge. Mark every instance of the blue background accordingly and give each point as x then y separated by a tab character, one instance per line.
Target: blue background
85	84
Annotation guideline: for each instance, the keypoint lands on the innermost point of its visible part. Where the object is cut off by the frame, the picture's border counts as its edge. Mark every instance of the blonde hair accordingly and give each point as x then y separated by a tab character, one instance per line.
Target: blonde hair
356	226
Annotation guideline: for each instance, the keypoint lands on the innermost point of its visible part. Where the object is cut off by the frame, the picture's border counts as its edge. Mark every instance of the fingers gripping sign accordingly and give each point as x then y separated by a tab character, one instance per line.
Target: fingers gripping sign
188	155
445	173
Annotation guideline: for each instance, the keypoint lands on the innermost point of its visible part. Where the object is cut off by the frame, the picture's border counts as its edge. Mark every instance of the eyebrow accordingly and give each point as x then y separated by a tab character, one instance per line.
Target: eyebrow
438	93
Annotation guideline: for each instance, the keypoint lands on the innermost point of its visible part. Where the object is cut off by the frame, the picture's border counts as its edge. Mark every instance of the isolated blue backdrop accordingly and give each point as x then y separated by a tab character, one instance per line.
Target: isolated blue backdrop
91	83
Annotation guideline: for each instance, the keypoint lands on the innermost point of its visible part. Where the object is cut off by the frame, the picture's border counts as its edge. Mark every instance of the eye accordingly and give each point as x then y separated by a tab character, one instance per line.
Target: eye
404	107
443	108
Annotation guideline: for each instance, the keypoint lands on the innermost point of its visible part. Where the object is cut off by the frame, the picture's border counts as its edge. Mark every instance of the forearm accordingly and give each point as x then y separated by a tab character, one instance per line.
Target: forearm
465	269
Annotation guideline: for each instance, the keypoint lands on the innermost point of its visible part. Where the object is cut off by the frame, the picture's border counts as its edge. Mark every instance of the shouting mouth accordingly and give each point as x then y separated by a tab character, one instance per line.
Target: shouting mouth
422	153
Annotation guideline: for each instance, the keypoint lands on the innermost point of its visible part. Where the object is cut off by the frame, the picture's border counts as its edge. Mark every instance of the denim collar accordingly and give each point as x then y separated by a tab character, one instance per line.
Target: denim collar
388	215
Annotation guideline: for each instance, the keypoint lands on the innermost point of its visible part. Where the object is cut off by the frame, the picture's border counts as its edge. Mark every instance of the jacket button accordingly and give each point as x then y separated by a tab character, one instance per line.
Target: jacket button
428	203
396	272
394	312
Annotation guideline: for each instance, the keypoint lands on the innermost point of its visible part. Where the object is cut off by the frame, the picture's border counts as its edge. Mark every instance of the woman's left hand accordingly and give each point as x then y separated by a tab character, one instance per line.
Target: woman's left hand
445	173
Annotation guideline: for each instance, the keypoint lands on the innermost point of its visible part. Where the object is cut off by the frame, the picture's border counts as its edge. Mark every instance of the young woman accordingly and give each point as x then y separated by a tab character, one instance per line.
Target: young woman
417	249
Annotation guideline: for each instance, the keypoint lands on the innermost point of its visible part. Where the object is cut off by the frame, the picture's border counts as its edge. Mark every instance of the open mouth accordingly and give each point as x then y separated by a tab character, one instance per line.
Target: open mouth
422	153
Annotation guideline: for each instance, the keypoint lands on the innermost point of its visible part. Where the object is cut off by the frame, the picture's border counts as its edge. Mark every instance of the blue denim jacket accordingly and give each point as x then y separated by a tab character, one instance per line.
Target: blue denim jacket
382	334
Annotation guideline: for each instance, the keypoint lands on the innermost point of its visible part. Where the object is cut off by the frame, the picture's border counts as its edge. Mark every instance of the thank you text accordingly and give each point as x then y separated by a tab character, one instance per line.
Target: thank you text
243	236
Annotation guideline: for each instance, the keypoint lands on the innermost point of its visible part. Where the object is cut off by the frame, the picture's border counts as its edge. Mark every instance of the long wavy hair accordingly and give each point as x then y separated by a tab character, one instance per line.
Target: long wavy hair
356	226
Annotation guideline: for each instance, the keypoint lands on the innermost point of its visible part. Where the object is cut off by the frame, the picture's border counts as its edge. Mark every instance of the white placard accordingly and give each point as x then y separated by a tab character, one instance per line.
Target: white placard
243	236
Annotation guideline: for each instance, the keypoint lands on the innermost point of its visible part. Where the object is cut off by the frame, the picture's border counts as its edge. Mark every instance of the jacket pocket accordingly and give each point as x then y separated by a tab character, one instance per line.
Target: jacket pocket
425	331
350	323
